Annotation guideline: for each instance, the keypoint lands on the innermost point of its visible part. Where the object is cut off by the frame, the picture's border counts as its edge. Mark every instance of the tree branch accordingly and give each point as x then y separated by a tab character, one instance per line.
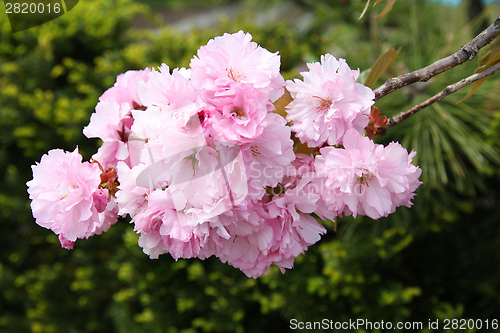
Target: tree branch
467	52
394	120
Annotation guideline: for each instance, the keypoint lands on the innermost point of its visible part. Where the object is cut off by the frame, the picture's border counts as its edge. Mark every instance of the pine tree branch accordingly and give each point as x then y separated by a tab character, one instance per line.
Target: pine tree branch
467	52
394	120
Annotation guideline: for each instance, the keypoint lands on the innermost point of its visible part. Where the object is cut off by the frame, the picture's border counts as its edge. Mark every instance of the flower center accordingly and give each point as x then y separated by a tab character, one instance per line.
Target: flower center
278	190
362	180
192	158
234	75
324	104
237	111
255	150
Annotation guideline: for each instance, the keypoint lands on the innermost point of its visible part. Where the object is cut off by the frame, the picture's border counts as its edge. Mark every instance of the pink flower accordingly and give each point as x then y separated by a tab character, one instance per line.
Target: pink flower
238	80
164	229
367	178
113	118
107	218
125	89
276	229
203	167
66	197
235	58
112	152
250	239
258	238
110	122
328	102
161	231
168	91
267	156
239	114
289	208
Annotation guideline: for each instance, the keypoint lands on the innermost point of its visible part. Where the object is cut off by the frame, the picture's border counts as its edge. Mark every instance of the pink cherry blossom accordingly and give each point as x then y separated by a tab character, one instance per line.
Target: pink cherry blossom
163	230
290	210
203	167
110	122
367	178
113	118
267	155
131	197
235	58
125	89
66	197
260	239
276	229
107	218
239	114
250	239
168	91
328	102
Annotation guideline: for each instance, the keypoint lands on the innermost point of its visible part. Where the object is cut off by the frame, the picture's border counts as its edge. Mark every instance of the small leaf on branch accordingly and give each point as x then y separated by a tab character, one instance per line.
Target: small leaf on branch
386	10
466	53
482	75
380	66
487	57
485	54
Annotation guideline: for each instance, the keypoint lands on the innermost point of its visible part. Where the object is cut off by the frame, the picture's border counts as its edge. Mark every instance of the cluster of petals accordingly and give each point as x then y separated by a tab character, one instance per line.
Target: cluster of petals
276	229
113	119
66	197
206	149
203	167
234	58
366	178
328	102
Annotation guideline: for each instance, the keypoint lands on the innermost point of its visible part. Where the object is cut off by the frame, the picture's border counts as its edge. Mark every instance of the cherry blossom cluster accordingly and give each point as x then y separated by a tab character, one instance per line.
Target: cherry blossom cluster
203	166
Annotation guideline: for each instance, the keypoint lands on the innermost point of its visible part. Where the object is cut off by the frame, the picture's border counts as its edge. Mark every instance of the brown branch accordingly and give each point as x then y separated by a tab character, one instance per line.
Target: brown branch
394	120
467	52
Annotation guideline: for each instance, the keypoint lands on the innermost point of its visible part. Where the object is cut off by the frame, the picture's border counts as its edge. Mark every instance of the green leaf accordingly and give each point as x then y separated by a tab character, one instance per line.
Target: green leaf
487	57
380	66
387	9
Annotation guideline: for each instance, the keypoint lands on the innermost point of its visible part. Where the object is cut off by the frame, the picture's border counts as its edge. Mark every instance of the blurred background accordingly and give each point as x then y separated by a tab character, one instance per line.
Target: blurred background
437	260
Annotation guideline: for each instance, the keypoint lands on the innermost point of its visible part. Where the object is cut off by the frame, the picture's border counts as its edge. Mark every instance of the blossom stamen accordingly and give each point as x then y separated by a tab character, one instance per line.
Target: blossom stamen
365	177
238	111
324	105
255	150
234	75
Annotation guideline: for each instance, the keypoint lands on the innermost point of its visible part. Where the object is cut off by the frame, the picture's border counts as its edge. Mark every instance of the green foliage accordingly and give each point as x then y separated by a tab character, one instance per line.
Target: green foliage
449	138
433	261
